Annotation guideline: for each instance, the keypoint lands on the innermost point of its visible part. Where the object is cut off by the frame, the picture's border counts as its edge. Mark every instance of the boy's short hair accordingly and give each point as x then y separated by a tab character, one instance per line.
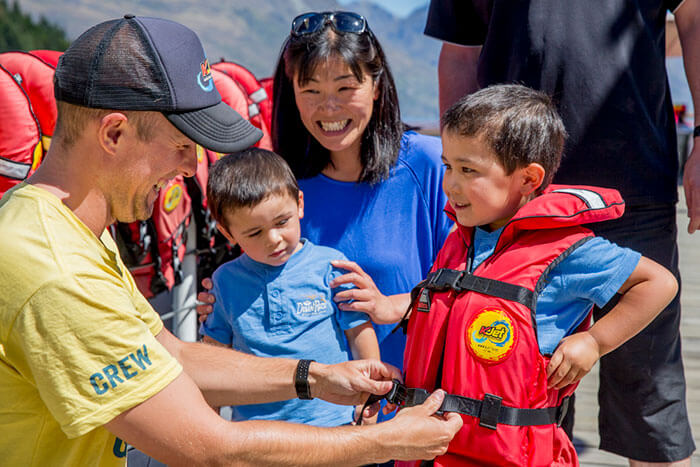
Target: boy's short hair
246	178
519	124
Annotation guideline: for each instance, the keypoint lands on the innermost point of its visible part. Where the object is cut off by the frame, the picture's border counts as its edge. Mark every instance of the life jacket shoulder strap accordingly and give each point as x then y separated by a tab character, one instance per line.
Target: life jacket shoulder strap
461	281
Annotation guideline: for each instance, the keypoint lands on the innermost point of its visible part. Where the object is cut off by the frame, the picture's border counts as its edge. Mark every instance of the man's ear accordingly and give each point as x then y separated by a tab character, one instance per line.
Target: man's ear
300	204
226	233
532	178
111	131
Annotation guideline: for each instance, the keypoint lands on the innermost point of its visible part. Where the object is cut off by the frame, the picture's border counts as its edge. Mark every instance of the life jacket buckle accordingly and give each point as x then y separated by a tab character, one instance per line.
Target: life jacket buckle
398	393
490	411
445	279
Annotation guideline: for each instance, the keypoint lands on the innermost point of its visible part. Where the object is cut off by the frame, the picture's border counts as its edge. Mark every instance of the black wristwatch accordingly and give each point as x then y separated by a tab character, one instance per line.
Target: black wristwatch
301	380
696	131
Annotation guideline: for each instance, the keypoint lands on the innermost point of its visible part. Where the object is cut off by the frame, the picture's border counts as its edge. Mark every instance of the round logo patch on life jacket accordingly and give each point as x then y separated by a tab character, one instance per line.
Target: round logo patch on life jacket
491	335
172	197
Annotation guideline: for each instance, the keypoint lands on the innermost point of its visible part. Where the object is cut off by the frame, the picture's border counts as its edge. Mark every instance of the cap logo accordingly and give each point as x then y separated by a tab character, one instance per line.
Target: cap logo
491	335
204	78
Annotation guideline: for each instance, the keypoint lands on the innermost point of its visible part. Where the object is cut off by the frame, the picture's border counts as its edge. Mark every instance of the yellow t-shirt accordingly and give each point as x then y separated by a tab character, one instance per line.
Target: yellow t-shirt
77	338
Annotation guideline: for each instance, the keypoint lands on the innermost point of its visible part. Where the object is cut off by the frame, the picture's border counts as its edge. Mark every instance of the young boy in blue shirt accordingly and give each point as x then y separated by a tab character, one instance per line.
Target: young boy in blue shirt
275	299
500	322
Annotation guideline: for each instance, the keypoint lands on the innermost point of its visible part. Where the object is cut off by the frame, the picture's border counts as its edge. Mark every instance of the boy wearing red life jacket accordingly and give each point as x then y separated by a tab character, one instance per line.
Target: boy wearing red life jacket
501	321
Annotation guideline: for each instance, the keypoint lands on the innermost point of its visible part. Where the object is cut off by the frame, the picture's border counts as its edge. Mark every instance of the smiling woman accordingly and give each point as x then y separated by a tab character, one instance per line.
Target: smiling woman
372	190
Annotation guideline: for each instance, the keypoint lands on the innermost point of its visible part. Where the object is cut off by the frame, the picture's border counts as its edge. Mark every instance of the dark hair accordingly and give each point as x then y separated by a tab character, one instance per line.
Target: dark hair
519	124
246	178
381	139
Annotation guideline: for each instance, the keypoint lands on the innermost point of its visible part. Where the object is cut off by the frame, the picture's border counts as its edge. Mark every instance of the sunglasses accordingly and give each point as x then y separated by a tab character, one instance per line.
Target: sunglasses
341	21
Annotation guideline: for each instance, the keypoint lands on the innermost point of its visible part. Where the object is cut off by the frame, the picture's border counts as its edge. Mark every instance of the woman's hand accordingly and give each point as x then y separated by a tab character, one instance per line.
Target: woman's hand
366	297
205	300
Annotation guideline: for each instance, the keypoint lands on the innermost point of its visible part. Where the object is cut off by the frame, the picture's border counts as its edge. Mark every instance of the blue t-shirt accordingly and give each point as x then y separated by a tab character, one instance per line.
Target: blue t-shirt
590	275
392	229
284	311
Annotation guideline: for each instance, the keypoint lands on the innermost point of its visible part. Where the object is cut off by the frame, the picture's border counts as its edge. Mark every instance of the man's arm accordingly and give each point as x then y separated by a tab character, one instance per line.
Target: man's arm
687	17
457	76
177	427
217	372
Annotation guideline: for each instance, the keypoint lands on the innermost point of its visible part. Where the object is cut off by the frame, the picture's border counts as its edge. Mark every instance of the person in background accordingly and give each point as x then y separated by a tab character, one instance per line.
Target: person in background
274	300
85	363
603	64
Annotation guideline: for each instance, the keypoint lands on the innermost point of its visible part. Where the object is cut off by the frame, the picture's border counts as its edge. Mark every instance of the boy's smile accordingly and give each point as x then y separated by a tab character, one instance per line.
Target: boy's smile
268	232
477	185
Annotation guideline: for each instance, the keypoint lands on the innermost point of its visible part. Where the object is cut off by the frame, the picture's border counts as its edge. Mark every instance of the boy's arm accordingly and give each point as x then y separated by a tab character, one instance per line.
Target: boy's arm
645	294
363	341
363	344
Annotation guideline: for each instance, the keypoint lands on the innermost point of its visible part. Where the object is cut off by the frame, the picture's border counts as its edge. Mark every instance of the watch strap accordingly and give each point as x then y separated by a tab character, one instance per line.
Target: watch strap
301	380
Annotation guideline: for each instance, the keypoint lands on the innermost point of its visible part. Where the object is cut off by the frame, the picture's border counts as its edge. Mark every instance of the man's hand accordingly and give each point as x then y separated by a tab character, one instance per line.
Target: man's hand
416	433
691	186
573	358
351	383
366	297
205	299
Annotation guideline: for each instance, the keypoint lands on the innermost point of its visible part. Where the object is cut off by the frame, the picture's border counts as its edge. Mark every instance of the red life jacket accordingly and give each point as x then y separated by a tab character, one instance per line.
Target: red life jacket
21	149
35	75
259	111
480	341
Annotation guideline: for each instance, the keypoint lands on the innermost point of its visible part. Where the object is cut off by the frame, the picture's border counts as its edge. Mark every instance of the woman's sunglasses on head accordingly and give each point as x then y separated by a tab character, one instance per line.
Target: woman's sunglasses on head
341	21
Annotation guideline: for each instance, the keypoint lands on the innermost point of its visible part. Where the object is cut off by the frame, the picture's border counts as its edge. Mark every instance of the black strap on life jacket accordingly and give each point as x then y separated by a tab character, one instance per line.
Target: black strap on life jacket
488	410
461	281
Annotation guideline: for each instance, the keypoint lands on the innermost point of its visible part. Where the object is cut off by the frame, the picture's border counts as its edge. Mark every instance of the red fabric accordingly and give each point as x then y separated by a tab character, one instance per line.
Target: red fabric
460	330
256	97
171	217
20	137
267	84
36	77
49	56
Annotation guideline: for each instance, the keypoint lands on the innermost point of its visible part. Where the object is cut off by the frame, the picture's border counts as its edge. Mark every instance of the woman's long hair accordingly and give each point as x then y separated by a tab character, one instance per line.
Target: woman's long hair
301	56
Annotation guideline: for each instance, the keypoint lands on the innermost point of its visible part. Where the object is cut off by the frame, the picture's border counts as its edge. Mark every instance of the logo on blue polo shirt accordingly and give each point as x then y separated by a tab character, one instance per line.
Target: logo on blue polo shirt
312	307
204	77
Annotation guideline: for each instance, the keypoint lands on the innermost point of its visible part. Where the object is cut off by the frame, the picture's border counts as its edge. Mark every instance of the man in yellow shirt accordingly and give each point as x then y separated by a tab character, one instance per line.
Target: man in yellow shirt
84	360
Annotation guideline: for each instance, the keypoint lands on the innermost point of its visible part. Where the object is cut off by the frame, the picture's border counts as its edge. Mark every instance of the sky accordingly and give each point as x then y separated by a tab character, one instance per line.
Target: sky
400	8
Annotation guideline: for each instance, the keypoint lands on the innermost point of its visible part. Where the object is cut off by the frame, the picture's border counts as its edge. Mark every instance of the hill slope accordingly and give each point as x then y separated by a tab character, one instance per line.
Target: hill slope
251	33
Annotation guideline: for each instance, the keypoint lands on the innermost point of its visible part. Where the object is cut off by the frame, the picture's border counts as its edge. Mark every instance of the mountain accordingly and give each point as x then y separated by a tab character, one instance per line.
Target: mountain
252	32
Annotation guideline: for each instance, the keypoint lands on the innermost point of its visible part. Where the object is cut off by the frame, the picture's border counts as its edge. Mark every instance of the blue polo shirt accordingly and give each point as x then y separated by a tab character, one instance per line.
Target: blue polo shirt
590	275
284	311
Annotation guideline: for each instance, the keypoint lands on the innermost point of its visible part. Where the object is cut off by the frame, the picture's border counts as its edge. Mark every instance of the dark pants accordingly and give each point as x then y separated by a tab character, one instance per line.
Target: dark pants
643	413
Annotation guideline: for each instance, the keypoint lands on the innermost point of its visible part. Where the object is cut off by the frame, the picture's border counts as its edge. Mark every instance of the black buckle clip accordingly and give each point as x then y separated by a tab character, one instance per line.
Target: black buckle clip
490	409
562	410
444	279
398	393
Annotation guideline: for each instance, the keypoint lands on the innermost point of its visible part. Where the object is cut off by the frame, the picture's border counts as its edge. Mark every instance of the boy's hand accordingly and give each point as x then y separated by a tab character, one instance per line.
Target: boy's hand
573	358
205	299
366	296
